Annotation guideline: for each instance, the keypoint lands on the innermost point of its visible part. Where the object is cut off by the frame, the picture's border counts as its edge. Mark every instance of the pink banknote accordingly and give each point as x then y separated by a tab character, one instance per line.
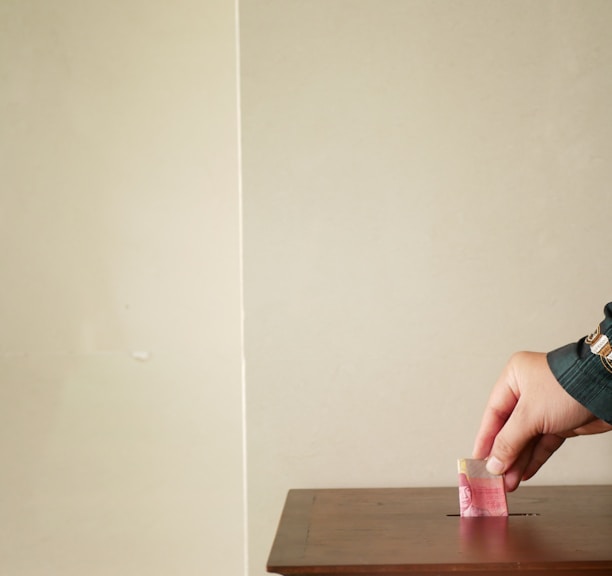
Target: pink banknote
480	493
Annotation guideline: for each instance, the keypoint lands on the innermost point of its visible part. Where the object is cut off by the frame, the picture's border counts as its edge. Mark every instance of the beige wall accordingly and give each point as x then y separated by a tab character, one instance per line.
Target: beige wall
120	354
426	190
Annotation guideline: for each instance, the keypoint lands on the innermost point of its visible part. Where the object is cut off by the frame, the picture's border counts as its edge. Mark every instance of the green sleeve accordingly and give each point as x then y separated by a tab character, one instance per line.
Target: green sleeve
587	375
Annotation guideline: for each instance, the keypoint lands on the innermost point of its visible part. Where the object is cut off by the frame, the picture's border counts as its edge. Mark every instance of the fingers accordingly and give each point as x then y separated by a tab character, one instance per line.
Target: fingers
537	452
543	449
595	427
500	406
514	474
531	459
548	444
492	423
511	441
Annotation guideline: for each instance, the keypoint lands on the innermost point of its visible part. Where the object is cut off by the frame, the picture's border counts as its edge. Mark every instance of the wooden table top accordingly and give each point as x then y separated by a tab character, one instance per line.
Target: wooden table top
413	531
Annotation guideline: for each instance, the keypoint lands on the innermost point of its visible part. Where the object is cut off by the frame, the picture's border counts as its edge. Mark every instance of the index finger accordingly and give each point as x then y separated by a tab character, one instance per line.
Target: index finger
500	405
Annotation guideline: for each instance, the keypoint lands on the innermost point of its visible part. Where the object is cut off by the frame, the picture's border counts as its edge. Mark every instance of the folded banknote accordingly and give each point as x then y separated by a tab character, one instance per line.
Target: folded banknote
480	493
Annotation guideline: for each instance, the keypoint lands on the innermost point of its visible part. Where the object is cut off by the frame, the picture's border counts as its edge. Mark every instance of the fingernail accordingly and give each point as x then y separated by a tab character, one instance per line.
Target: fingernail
494	466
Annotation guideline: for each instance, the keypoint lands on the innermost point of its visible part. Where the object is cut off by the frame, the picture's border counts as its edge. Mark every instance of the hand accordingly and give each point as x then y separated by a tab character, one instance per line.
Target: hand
528	416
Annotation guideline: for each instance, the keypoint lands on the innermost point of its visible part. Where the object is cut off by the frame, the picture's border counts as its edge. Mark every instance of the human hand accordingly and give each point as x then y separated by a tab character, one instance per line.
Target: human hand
527	418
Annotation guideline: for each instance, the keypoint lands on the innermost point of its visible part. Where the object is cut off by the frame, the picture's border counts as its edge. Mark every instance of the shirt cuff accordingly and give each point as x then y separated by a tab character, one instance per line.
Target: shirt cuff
585	375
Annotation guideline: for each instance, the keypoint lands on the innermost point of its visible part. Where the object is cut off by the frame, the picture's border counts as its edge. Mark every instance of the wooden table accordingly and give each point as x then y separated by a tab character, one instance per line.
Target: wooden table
417	531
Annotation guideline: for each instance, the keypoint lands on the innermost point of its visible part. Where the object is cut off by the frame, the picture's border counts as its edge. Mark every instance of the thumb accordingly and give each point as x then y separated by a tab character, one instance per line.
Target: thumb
510	442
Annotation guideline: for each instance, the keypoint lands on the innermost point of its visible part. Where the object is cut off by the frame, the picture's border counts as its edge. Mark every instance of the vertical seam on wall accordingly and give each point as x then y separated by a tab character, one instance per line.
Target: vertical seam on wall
245	508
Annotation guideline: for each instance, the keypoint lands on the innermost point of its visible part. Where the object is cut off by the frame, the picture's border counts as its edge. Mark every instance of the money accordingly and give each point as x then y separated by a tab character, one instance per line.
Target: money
480	493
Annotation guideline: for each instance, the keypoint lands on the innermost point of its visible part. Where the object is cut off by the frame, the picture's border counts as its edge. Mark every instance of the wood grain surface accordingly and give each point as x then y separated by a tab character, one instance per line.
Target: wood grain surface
412	531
